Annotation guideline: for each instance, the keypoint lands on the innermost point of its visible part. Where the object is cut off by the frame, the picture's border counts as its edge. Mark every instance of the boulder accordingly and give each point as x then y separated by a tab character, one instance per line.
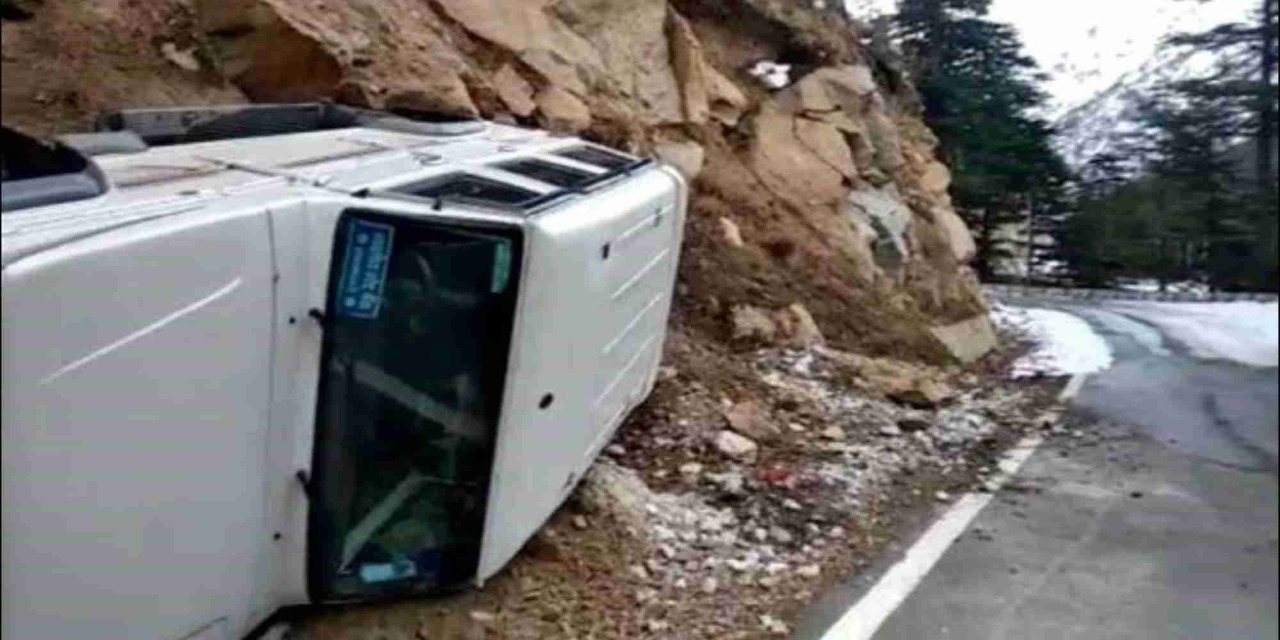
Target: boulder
514	91
750	419
967	340
956	234
923	393
687	156
630	45
727	102
827	142
690	67
889	217
885	140
555	52
732	234
562	111
735	446
797	327
265	53
936	178
446	100
786	166
752	323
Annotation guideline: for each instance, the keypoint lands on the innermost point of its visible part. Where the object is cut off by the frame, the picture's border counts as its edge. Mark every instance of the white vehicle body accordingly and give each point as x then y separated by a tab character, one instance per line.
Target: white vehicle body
164	385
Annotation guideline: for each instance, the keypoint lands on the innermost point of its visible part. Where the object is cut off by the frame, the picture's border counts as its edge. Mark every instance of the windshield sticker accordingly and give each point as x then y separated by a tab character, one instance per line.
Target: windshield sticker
364	271
501	265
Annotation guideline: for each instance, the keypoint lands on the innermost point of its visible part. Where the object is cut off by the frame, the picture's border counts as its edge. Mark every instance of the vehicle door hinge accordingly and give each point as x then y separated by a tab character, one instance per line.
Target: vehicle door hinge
317	315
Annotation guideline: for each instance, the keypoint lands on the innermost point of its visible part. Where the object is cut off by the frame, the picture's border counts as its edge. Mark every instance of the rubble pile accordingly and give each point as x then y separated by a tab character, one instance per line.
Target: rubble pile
824	451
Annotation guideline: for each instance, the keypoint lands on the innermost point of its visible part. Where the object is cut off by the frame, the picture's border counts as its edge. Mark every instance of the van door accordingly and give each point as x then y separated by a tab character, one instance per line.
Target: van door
417	327
593	314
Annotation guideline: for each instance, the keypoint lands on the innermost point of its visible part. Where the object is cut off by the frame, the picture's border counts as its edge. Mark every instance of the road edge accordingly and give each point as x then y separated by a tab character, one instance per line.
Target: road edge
864	618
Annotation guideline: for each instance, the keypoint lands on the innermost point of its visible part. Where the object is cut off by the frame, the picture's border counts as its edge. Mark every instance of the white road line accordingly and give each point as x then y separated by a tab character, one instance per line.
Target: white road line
862	620
1073	387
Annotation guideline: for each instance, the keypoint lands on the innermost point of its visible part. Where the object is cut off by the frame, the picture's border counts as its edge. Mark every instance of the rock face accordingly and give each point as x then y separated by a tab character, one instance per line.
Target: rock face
833	178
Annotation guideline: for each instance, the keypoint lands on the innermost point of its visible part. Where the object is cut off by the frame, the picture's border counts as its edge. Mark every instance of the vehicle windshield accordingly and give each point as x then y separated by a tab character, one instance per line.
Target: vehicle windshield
418	323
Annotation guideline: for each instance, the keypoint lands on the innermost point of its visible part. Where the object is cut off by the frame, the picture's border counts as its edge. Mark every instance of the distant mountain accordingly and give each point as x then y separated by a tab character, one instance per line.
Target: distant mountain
1099	124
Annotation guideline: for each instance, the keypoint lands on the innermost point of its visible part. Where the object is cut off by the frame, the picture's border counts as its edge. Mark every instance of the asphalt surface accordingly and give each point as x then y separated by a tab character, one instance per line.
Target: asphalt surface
1155	516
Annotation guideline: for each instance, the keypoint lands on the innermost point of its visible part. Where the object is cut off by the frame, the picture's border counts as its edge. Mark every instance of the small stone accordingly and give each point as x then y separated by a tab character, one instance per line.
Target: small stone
657	626
768	582
790	504
809	571
781	535
833	432
482	617
890	431
639	572
773	625
667	373
912	424
736	446
615	450
681	583
732	234
667	551
709	585
690	471
941	496
579	522
796	427
836	532
760	534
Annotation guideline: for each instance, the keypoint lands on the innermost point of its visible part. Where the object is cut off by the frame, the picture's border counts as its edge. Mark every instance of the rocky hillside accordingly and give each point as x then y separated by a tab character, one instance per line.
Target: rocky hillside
817	202
786	440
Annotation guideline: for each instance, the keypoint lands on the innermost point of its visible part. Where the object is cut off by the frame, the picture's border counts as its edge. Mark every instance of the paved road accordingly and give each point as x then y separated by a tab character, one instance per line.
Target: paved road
1159	522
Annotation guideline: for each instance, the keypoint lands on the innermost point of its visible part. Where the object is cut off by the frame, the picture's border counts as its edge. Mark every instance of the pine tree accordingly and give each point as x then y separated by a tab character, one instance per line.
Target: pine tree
980	93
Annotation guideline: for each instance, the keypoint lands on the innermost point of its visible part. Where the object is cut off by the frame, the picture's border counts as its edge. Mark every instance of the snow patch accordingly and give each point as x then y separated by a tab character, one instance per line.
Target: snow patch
1065	344
772	74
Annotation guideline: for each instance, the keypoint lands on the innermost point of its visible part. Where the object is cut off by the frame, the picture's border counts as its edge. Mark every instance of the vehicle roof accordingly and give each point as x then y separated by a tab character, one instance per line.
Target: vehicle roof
168	180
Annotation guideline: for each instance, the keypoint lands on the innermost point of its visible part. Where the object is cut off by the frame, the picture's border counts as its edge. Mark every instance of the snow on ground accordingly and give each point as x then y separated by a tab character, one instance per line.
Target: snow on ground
1153	286
1244	332
1065	344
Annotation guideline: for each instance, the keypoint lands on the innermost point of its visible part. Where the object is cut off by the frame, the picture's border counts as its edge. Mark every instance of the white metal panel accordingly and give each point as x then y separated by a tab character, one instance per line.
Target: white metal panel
135	398
589	333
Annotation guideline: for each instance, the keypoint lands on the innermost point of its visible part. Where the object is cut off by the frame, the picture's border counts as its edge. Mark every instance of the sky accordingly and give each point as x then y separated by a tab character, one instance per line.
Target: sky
1086	45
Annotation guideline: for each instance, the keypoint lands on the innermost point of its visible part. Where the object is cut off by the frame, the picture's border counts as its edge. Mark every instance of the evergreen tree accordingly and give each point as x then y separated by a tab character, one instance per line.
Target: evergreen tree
980	93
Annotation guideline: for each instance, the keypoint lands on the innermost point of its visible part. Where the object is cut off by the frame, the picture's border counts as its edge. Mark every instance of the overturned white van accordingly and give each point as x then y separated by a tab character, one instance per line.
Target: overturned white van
284	354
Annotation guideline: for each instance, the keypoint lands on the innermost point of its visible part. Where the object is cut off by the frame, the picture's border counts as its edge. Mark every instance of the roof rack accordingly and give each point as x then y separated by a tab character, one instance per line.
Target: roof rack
177	125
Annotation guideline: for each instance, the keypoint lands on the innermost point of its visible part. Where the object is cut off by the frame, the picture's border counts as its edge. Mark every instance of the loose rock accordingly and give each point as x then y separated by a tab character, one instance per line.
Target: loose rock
736	446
